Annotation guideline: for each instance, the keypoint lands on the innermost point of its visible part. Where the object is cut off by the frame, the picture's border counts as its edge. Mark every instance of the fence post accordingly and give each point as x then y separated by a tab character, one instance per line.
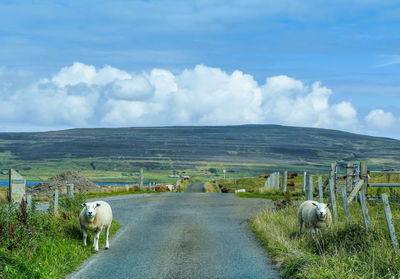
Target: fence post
320	190
70	190
304	181
284	181
389	221
310	186
29	202
364	176
349	177
332	191
141	178
345	203
364	209
278	180
56	201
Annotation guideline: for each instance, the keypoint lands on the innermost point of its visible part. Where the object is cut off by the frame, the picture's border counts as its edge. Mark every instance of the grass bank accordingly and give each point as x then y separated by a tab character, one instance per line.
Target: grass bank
254	187
210	187
346	250
42	245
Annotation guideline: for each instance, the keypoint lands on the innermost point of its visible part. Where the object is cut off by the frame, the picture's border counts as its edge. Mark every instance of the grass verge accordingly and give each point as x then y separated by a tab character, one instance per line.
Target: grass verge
346	250
42	245
210	187
270	194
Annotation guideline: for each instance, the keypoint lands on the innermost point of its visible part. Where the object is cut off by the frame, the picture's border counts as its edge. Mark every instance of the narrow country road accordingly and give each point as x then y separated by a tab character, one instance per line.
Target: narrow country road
195	188
182	235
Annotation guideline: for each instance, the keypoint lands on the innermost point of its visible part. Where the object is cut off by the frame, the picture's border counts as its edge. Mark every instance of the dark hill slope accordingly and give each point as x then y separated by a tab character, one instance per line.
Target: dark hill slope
263	144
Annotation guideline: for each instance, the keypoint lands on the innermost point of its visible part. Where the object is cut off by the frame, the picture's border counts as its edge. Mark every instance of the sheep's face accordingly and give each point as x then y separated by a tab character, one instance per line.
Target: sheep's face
91	209
321	210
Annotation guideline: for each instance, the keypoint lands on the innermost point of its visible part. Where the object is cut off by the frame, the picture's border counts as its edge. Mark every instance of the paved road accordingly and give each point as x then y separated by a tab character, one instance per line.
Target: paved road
195	188
182	235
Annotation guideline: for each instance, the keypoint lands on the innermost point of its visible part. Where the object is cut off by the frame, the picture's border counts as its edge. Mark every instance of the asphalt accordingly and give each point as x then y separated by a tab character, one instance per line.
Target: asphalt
182	235
195	188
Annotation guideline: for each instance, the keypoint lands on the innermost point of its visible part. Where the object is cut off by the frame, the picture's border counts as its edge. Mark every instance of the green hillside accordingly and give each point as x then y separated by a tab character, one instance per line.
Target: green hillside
242	150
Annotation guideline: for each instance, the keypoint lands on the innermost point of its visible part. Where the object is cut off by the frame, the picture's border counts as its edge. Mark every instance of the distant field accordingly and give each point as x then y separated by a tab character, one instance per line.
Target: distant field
116	155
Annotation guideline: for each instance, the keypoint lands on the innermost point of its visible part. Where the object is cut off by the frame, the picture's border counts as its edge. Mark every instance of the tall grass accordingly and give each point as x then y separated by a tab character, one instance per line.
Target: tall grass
42	245
346	250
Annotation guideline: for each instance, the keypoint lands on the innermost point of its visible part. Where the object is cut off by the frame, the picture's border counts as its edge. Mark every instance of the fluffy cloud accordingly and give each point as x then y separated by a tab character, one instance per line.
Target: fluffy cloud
83	96
380	120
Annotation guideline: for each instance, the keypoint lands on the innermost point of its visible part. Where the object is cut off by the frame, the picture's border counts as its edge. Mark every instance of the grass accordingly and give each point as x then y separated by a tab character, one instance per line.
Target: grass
254	187
3	195
42	245
346	250
270	194
119	193
210	187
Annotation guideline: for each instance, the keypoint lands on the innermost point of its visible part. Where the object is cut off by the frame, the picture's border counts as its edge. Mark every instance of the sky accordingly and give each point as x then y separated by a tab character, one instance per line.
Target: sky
325	64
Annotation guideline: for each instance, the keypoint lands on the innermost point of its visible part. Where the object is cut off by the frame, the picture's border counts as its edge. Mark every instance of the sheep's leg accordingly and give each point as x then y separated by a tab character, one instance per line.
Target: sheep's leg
300	225
107	232
96	240
84	236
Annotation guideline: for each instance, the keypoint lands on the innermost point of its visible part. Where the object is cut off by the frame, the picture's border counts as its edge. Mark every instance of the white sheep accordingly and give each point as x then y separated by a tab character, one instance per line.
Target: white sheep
94	217
315	215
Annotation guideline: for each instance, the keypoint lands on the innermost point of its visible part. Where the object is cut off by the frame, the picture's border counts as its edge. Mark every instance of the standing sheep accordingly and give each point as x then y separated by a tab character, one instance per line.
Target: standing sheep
315	215
94	217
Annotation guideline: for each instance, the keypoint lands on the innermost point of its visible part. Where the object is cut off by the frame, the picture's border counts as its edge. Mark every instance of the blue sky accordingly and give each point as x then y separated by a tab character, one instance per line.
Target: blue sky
342	58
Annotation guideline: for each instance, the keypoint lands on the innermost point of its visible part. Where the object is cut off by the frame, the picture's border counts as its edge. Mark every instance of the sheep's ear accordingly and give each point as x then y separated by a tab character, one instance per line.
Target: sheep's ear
97	204
328	205
84	204
314	203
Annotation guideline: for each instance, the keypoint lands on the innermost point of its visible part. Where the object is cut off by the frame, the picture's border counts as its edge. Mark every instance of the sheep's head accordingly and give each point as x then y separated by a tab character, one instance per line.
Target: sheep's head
91	209
322	209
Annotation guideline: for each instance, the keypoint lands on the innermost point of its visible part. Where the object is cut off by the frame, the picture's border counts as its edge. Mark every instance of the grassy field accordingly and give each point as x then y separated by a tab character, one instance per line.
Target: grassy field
116	155
346	250
41	245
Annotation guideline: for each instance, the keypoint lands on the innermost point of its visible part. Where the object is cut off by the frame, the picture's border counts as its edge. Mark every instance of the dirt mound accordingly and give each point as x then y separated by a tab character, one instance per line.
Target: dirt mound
60	181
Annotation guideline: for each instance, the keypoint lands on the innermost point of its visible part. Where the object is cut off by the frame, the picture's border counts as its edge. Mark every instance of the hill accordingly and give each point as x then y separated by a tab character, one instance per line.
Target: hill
251	148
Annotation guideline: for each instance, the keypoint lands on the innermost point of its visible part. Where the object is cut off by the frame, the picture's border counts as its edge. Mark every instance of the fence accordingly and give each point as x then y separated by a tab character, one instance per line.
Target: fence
349	181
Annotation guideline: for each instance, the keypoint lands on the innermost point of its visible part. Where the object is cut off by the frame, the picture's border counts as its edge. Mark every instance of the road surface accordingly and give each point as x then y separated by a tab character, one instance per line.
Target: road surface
181	235
195	188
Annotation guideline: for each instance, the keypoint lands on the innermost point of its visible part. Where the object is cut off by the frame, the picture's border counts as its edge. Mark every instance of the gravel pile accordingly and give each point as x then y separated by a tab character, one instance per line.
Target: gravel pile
60	181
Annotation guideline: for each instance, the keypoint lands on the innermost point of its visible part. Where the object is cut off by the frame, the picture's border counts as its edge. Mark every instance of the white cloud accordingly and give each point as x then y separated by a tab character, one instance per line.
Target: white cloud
380	120
390	60
81	73
83	96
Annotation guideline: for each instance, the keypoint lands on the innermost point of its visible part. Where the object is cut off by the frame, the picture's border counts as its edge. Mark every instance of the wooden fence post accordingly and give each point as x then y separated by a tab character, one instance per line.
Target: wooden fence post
141	177
345	203
364	177
284	181
364	209
70	190
389	221
56	201
349	177
277	180
310	187
304	181
320	189
332	191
